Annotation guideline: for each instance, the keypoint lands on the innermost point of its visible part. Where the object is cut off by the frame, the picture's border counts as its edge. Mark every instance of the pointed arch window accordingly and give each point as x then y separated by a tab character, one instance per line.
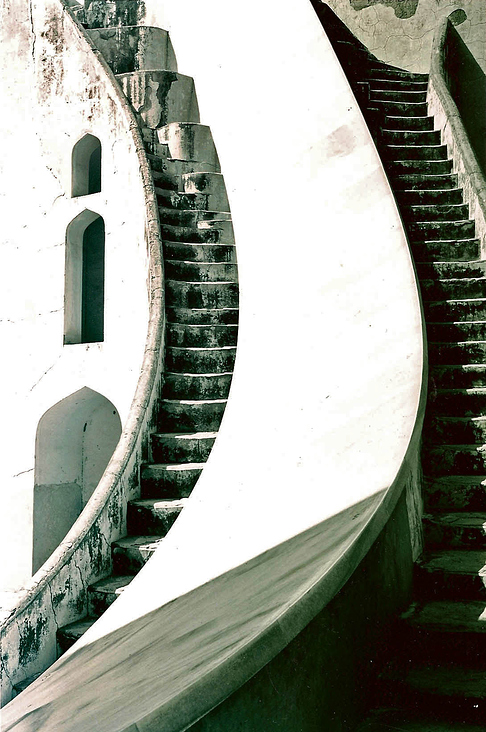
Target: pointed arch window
86	166
84	288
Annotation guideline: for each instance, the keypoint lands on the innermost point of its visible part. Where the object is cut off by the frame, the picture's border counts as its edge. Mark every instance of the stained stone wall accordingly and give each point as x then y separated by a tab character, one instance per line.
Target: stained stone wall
400	32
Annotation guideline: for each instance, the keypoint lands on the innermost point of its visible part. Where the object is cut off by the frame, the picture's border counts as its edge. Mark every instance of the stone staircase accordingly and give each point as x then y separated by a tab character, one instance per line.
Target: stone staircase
434	679
202	320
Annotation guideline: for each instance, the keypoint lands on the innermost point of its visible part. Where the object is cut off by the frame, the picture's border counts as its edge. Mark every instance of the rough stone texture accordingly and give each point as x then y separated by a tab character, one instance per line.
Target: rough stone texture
161	97
400	32
135	48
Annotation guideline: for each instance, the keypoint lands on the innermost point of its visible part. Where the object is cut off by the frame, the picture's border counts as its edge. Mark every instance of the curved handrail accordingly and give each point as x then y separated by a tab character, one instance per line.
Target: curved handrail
151	368
443	106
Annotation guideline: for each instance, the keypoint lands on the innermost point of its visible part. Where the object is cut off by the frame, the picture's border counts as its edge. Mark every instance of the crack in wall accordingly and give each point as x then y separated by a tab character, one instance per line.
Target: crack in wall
53	608
44	374
34	38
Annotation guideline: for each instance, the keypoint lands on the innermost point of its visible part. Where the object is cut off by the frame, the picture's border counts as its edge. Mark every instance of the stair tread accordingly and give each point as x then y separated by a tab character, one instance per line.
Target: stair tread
136	541
194	401
449	680
176	466
456	561
159	502
186	435
75	630
113	583
202	348
473	519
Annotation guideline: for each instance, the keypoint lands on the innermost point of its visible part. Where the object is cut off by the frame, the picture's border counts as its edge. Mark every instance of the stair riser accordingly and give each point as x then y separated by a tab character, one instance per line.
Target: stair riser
459	353
162	178
407	123
418	167
190	386
440	496
187	361
437	212
200	272
406	137
414	182
210	336
98	602
461	251
455	311
167	484
444	586
221	316
185	218
458	377
197	236
453	289
183	201
438	537
180	417
455	432
127	560
211	295
454	270
456	332
460	404
427	230
421	643
199	252
173	450
453	461
448	196
145	521
415	151
398	109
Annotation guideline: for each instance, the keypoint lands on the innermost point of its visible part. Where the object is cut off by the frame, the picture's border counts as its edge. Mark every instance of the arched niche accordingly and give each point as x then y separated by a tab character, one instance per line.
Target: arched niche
74	442
86	166
84	283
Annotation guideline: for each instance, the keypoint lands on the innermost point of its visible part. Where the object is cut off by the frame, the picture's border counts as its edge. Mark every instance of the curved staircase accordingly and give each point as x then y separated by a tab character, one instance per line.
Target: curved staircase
201	303
435	678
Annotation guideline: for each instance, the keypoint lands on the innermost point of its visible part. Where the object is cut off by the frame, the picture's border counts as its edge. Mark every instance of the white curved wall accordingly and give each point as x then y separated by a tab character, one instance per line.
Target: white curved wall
53	94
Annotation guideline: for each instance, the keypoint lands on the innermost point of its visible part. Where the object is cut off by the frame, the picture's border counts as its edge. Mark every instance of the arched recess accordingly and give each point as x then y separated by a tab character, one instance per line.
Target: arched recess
86	166
84	284
75	440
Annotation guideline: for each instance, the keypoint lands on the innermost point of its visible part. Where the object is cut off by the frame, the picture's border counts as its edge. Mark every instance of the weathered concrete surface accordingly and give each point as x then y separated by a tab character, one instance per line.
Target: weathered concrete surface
161	97
315	445
134	48
401	32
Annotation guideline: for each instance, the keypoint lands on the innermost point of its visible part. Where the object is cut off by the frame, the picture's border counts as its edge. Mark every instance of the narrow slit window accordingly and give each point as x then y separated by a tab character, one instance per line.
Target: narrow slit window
86	166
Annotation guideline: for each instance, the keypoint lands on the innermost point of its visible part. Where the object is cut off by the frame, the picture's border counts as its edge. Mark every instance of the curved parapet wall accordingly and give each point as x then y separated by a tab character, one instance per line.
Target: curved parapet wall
57	592
448	119
320	436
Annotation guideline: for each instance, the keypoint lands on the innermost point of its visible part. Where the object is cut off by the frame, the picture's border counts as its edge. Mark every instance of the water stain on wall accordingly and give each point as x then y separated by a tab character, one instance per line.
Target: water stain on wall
403	8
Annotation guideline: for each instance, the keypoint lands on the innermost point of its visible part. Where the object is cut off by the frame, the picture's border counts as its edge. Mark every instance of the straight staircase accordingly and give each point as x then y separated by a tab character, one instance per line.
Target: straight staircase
434	680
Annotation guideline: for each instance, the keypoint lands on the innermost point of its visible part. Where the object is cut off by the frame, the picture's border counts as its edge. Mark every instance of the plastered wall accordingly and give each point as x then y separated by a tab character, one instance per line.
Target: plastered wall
400	32
53	94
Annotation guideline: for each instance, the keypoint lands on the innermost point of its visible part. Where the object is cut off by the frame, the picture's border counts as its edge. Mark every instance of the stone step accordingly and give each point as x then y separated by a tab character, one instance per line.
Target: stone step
153	516
400	96
197	386
414	151
465	376
127	49
451	311
461	530
451	574
159	480
418	167
163	179
190	235
116	13
211	184
410	137
199	252
414	181
455	430
436	212
203	316
431	197
453	288
458	402
441	693
160	97
103	593
455	250
170	199
439	460
383	71
184	218
131	552
399	720
397	85
189	141
455	493
67	635
201	336
172	448
399	109
190	415
458	331
444	230
405	122
201	295
200	271
444	270
200	360
465	352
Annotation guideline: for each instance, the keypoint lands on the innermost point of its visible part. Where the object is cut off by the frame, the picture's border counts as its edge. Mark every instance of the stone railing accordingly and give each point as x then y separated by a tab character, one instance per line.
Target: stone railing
448	118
